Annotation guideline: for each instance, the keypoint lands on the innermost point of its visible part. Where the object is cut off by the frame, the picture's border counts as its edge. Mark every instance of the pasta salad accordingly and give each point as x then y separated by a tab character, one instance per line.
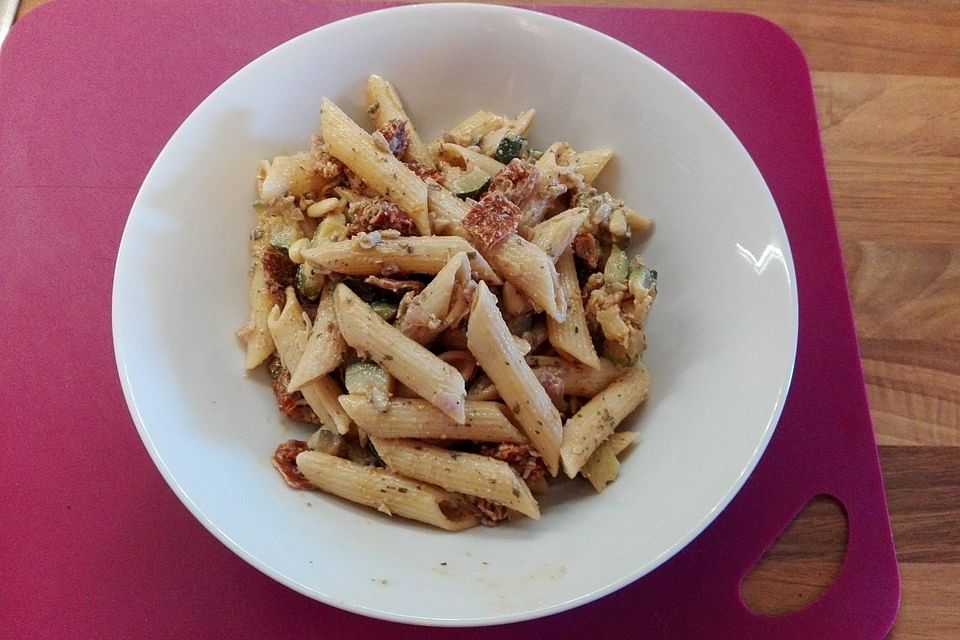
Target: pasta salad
460	320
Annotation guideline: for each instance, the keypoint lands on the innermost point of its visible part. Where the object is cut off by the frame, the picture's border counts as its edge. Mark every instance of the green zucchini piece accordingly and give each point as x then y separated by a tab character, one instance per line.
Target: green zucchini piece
282	238
332	229
617	268
365	378
468	184
309	283
510	147
643	281
385	309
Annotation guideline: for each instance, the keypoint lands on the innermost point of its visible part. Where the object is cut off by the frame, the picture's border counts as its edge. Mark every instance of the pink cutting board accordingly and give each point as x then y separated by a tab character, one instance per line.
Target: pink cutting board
93	542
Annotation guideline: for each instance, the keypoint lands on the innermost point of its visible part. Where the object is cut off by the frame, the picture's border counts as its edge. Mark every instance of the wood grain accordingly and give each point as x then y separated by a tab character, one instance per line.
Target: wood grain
923	493
914	390
802	564
886	76
910	291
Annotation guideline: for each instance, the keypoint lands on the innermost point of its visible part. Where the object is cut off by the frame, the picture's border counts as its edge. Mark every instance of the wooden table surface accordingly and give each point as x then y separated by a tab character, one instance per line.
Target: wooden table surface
886	76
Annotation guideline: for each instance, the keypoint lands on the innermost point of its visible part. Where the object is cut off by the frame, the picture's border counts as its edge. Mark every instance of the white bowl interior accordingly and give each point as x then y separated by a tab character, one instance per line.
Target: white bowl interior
722	334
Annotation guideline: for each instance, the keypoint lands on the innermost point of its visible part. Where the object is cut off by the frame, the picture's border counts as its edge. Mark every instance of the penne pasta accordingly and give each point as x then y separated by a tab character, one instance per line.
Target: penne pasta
516	260
426	255
416	418
256	333
556	234
597	419
290	330
572	336
467	473
578	379
531	271
354	147
325	347
518	127
590	163
469	131
490	341
383	105
473	159
476	332
406	360
295	175
325	391
386	492
602	467
440	303
446	210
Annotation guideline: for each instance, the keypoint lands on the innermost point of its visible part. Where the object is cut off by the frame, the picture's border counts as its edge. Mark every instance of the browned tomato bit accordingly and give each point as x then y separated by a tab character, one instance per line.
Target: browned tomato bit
285	461
492	219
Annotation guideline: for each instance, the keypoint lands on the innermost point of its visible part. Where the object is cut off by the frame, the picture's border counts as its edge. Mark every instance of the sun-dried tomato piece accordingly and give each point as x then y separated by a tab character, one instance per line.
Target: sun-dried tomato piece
292	405
285	461
516	181
279	272
390	217
492	219
491	514
586	246
426	173
395	132
378	214
524	460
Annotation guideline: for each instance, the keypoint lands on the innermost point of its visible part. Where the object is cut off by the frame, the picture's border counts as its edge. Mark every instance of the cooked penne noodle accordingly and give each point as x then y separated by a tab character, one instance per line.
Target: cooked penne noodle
416	418
325	348
326	391
446	210
406	360
382	172
476	333
529	269
290	329
597	419
428	313
555	161
490	341
556	177
256	333
473	159
572	336
579	379
556	234
294	175
602	467
517	261
518	126
383	105
590	163
427	255
472	129
467	473
386	492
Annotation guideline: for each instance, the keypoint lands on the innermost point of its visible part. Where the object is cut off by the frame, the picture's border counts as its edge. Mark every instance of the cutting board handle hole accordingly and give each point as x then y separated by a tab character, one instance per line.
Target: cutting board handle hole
802	563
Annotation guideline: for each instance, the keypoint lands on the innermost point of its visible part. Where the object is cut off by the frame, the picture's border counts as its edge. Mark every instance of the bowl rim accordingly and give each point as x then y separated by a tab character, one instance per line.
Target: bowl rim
352	606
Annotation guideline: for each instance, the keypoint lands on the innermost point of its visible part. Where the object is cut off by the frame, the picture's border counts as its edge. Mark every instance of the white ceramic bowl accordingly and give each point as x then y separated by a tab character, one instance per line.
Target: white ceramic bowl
722	334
